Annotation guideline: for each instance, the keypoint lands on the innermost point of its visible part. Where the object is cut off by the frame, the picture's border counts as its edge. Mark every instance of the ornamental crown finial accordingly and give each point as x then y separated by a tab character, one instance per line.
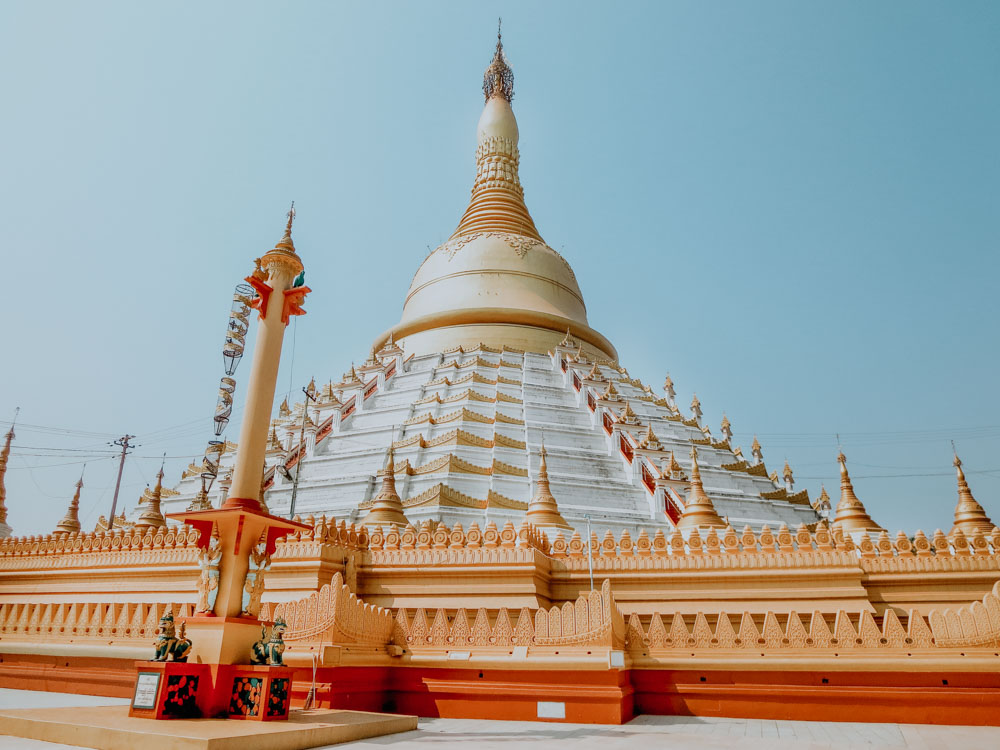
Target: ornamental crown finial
498	80
291	218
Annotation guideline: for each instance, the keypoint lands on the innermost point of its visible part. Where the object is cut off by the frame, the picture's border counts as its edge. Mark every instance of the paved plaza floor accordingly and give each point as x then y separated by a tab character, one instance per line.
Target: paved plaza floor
644	732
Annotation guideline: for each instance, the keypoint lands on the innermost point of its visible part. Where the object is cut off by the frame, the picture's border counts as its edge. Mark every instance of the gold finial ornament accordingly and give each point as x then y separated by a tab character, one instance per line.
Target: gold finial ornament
201	501
283	253
4	456
628	416
969	514
699	509
70	524
788	477
387	507
498	80
543	509
823	501
649	441
152	515
851	514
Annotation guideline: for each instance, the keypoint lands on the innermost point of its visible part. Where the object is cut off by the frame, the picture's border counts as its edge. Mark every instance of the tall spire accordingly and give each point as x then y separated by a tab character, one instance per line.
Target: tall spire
387	507
543	509
4	456
699	510
70	524
152	516
497	202
851	514
969	514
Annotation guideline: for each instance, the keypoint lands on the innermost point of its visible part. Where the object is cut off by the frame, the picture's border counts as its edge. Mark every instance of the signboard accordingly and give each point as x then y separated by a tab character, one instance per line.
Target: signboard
146	687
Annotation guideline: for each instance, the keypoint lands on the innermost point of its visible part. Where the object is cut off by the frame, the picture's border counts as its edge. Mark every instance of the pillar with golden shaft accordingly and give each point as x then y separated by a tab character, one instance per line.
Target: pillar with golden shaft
224	634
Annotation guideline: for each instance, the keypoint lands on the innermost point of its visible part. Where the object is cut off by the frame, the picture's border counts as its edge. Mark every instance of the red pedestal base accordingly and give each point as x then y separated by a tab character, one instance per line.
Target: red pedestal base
169	690
259	692
174	690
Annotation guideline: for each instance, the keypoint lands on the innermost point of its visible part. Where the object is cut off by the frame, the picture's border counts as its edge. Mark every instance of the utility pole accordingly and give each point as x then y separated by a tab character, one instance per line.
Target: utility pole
123	442
302	451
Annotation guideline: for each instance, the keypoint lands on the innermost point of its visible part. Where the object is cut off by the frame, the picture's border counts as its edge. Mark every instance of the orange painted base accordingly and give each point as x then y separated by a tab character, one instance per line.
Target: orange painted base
111	678
897	697
596	697
591	697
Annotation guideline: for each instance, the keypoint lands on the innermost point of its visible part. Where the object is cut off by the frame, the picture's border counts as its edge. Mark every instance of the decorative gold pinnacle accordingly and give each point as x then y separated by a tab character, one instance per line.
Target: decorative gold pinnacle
497	200
284	252
498	80
699	509
649	441
4	455
201	501
628	416
387	507
823	501
70	524
969	514
851	514
152	516
543	509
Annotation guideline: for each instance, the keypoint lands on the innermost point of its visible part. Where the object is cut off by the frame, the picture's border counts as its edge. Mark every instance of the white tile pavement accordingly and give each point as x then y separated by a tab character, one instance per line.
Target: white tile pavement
644	732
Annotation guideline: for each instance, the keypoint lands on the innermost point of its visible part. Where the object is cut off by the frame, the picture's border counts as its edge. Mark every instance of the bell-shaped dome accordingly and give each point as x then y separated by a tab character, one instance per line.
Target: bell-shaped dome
495	281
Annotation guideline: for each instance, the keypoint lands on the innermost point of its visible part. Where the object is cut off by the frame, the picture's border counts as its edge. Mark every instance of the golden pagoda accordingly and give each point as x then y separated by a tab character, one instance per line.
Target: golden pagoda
543	511
70	523
851	514
969	514
698	510
151	514
387	507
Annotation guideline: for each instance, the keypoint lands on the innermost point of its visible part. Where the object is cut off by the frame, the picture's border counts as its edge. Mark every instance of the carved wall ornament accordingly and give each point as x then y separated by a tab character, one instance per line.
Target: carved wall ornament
253	583
209	559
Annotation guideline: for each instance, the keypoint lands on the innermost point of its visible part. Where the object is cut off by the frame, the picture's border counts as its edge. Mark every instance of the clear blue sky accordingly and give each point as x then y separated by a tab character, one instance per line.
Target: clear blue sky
792	207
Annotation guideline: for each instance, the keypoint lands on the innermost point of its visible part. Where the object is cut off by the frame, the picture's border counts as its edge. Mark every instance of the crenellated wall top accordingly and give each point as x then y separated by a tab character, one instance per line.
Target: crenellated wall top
784	541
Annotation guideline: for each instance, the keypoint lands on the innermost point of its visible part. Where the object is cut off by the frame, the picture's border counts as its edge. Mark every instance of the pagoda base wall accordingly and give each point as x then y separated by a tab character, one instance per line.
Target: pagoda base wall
608	696
899	697
574	696
84	675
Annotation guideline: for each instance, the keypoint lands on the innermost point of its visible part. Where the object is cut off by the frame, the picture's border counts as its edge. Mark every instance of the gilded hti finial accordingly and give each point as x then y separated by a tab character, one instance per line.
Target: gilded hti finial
285	248
969	514
498	80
